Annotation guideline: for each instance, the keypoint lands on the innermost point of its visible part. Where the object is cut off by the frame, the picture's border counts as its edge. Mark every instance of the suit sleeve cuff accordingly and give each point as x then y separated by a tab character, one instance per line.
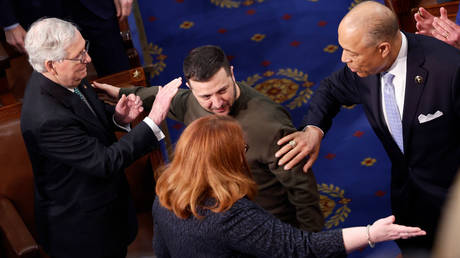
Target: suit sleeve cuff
126	127
156	130
11	27
321	130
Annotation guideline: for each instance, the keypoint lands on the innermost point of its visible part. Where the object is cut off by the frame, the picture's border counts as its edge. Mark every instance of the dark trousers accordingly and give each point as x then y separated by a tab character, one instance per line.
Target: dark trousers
120	254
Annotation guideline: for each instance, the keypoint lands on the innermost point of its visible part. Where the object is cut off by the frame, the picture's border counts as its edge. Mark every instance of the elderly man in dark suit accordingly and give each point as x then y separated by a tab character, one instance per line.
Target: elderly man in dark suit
409	86
97	20
83	207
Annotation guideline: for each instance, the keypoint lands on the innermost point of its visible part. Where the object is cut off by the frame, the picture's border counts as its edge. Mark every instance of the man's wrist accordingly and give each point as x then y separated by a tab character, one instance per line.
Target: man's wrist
155	128
314	126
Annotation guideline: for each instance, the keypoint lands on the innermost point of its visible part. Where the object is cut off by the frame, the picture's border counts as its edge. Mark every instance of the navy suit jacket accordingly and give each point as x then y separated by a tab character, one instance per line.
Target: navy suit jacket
83	207
421	177
26	12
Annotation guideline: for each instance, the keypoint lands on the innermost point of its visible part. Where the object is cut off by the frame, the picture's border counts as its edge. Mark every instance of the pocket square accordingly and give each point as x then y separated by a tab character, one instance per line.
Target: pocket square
426	118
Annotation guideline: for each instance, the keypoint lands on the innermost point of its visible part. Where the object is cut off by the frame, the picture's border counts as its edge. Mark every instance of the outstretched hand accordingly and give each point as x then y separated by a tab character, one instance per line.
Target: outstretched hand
385	230
300	145
128	108
163	100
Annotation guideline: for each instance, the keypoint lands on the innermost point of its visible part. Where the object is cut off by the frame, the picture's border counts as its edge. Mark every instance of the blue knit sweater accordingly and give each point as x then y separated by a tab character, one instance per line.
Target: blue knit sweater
245	230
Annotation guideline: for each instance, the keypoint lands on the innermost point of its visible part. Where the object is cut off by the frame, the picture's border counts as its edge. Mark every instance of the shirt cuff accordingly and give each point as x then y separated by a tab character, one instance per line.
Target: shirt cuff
321	130
156	130
11	27
126	127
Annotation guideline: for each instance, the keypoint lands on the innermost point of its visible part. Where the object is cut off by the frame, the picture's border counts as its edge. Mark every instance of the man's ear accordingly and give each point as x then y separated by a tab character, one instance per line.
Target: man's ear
231	71
49	66
384	49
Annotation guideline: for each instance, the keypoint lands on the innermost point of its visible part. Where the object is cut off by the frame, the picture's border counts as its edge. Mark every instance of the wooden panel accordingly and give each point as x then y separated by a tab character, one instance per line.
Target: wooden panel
16	173
135	76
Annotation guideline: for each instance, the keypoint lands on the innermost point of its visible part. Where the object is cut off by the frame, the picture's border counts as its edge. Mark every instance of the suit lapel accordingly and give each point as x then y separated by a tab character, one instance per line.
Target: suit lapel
70	100
96	104
376	99
414	87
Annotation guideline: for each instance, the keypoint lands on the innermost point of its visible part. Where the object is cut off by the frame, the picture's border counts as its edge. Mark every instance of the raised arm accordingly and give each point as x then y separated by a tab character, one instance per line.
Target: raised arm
252	230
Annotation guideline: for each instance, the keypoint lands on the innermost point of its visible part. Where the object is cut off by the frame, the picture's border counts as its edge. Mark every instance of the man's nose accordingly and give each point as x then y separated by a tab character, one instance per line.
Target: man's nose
87	58
217	102
345	58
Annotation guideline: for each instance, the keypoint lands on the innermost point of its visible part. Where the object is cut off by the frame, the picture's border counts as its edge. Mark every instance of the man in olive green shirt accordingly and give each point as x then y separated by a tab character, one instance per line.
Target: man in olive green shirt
292	196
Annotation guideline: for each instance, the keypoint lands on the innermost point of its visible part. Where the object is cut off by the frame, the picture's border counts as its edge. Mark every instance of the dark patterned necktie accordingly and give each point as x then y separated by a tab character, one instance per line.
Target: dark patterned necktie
82	97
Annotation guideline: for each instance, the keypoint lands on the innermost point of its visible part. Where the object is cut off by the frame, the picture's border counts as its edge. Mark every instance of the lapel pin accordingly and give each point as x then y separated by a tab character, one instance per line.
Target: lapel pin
419	79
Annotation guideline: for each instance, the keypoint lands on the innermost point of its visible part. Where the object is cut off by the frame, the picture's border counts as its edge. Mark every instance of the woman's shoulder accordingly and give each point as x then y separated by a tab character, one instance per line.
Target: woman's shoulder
245	208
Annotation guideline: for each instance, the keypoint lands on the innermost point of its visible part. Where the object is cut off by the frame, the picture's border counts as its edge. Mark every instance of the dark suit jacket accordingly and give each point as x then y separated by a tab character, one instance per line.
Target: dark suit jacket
83	206
28	11
422	175
97	21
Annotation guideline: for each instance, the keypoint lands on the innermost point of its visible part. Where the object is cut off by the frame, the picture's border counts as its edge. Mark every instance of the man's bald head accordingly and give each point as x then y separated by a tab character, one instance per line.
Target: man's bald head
377	22
370	38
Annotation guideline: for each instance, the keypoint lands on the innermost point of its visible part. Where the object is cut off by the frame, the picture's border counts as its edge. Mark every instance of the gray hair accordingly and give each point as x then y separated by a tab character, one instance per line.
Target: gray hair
47	40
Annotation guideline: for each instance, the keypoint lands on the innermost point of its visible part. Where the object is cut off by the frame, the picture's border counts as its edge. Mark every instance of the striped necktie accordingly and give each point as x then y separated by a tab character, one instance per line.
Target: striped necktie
392	111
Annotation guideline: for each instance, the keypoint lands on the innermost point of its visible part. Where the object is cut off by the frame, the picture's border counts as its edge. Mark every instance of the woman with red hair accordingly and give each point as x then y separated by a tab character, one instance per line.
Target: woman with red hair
203	206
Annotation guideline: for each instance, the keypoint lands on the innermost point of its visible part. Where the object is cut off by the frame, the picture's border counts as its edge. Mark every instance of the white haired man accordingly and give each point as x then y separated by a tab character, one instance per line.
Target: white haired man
83	207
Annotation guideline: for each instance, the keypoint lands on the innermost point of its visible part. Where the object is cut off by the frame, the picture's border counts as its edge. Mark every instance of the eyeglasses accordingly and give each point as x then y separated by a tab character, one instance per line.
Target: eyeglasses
82	56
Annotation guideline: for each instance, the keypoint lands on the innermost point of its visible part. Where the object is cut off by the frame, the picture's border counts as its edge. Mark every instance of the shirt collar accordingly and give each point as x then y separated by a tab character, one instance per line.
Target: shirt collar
402	55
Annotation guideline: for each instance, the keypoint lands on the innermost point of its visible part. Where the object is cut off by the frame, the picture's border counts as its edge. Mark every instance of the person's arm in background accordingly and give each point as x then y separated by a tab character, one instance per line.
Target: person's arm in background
123	8
438	27
14	32
447	31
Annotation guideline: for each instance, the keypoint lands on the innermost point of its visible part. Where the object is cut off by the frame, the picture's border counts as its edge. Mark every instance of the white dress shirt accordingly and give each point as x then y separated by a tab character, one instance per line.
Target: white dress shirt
398	69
